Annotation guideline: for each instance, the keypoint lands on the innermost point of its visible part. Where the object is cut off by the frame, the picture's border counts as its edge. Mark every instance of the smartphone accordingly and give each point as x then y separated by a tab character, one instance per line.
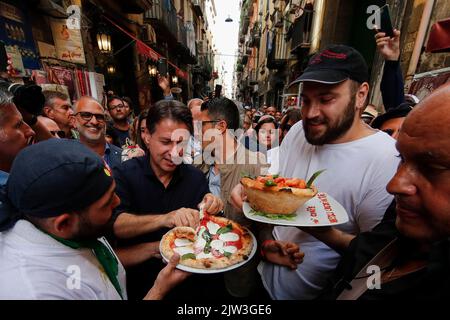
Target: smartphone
217	91
3	57
385	21
162	67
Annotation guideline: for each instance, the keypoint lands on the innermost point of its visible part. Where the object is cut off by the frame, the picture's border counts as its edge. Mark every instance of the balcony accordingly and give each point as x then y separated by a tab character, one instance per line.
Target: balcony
255	36
300	32
168	26
203	68
244	25
244	59
199	7
252	78
274	62
163	17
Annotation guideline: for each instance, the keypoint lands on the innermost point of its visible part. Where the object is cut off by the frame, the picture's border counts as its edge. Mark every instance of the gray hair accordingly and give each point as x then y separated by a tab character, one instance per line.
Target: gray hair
5	104
192	101
50	97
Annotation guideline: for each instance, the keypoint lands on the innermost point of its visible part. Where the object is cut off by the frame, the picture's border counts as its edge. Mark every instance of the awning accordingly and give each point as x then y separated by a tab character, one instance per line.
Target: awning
425	83
439	40
148	52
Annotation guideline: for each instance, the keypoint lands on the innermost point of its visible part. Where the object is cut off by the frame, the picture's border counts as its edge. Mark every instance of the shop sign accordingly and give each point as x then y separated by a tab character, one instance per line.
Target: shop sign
68	42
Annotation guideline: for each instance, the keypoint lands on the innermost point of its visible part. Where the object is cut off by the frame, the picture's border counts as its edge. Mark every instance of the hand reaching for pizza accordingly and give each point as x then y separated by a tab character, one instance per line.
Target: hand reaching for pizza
167	279
184	217
211	204
283	253
238	197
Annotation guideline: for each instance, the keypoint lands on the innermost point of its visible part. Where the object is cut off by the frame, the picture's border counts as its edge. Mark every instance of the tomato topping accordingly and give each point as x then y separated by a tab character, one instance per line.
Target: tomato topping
280	180
302	184
262	179
296	183
237	244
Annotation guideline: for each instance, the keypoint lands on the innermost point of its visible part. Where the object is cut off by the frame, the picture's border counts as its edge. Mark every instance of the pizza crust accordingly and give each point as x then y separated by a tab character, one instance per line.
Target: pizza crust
240	255
275	200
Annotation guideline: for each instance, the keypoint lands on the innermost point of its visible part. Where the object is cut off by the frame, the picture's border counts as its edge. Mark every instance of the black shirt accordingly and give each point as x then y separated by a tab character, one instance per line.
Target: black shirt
141	192
122	136
431	282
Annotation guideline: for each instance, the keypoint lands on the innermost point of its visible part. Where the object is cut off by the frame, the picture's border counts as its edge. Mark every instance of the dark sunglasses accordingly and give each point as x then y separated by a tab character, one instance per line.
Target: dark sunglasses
87	116
58	133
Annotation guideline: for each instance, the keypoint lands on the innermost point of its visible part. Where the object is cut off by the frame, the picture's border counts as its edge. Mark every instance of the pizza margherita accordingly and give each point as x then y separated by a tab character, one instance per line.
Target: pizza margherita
216	244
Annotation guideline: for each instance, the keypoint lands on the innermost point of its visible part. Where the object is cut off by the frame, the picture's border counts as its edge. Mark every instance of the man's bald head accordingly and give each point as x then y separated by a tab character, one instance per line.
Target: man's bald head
86	100
422	183
51	126
195	106
431	116
90	120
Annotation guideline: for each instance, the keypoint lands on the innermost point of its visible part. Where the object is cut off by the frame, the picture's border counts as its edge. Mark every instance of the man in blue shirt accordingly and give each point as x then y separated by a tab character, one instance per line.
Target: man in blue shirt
15	134
90	121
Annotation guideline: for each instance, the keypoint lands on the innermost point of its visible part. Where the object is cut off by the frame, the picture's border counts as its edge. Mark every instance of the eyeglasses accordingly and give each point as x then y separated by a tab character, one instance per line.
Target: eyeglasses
58	133
210	121
87	116
118	106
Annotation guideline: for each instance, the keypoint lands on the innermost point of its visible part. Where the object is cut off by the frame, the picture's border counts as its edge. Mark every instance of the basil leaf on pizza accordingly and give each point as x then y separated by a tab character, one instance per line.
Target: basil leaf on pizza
217	243
228	228
188	256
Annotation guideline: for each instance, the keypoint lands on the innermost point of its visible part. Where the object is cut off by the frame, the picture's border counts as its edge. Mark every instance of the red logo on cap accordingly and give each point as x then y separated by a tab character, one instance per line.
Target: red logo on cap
328	54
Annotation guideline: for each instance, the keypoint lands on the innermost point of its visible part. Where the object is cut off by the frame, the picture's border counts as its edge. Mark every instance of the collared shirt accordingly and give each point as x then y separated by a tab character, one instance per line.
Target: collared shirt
112	156
33	265
230	173
141	192
3	177
214	182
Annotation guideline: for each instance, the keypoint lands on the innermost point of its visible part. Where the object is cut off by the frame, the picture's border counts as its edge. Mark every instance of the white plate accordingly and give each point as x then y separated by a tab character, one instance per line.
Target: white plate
209	271
322	210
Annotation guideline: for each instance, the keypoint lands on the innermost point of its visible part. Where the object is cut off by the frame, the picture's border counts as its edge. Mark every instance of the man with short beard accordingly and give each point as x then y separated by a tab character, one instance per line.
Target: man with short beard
359	162
90	121
119	112
51	242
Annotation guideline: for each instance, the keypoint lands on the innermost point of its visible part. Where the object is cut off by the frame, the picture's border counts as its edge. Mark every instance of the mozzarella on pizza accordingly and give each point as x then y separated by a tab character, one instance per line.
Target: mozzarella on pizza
217	244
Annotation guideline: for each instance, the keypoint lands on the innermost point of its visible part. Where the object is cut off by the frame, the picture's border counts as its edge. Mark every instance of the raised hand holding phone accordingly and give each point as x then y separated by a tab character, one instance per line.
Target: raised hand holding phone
388	47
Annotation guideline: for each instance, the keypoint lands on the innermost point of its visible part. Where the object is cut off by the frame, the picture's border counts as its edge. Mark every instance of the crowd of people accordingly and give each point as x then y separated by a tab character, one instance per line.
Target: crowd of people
88	189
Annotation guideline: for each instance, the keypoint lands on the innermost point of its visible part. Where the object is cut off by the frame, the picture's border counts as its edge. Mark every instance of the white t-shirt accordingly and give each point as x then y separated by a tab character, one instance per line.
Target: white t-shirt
34	266
273	160
356	176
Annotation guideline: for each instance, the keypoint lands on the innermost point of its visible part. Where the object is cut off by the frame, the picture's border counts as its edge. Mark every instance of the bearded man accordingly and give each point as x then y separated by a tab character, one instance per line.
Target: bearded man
90	122
359	162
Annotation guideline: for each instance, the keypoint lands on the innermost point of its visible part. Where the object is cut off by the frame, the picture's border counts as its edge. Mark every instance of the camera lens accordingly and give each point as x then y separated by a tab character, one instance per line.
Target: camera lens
28	97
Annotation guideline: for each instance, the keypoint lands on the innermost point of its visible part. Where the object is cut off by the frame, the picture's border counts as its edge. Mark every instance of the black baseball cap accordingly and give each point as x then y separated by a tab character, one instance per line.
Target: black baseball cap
335	64
398	112
56	176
